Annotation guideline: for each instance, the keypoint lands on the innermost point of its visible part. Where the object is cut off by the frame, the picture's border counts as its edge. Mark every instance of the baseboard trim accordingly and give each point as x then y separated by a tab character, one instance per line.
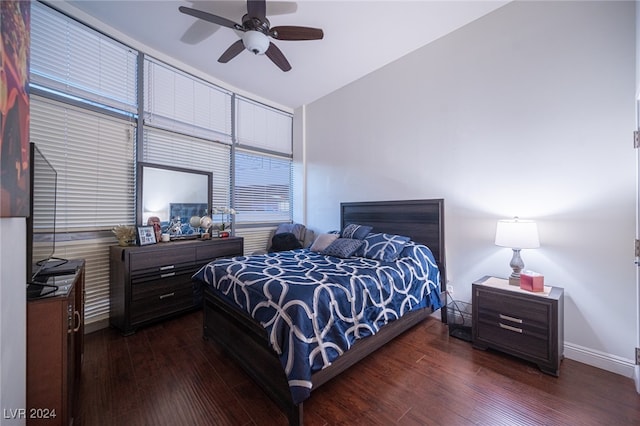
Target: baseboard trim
615	364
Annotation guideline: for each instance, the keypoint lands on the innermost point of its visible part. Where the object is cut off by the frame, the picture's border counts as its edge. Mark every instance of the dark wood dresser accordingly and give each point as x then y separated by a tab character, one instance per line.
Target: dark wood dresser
55	333
153	282
518	322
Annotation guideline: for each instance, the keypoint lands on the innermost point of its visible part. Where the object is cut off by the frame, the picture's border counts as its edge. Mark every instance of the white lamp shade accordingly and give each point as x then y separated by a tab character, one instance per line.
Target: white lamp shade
517	234
194	221
255	41
205	222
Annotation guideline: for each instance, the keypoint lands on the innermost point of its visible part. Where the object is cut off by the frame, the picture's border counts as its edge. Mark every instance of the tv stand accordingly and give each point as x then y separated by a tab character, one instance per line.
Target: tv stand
55	333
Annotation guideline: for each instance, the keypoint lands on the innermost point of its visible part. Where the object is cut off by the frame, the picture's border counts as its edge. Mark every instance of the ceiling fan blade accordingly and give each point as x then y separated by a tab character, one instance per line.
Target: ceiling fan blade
257	9
277	57
209	17
233	51
288	32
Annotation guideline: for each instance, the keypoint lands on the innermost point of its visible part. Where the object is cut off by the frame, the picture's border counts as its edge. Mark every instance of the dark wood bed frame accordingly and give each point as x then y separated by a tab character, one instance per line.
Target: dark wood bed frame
246	341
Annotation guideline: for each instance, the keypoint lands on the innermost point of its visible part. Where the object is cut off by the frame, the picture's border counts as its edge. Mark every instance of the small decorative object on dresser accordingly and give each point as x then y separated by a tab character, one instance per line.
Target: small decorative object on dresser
518	322
531	281
126	235
146	235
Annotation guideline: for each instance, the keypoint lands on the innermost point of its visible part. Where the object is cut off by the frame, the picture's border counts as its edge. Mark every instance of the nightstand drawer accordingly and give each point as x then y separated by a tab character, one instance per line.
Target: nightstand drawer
525	339
514	309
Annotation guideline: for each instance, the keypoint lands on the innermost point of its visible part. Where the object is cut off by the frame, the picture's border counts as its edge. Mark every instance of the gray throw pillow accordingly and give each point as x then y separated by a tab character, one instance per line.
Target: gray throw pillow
342	247
355	231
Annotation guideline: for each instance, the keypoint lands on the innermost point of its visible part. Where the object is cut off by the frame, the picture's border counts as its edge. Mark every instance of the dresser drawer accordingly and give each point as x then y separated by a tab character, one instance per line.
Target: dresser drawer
161	259
224	248
151	299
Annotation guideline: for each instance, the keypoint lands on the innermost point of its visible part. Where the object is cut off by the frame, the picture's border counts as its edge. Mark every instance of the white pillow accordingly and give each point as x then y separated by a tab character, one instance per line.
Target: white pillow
323	241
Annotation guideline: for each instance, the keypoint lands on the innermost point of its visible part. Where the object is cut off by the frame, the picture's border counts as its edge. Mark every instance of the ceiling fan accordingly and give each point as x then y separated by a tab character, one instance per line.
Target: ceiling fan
256	29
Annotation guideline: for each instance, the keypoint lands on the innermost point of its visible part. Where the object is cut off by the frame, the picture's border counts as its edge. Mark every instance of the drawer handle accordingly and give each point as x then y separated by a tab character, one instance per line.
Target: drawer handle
164	296
508	327
76	316
164	268
512	319
170	274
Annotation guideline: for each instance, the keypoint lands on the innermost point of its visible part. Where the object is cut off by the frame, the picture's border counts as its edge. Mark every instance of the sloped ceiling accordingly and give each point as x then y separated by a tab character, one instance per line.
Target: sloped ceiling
360	37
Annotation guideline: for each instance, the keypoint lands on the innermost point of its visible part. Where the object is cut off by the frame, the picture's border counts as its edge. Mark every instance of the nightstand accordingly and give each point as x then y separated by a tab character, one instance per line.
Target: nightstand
518	322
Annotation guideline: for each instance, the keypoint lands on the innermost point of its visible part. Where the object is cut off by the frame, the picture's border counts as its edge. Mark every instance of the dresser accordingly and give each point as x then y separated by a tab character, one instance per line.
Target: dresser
529	325
55	330
153	282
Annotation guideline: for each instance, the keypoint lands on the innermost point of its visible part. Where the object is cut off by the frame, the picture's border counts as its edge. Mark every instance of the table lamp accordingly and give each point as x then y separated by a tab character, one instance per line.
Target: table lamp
517	234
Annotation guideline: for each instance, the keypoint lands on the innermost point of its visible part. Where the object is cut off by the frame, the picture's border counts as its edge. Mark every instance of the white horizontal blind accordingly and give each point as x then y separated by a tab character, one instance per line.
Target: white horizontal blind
69	57
259	126
262	191
95	252
174	149
255	239
94	157
179	102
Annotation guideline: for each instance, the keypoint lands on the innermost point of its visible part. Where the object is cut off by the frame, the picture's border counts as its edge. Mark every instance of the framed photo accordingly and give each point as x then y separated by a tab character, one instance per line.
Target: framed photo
146	235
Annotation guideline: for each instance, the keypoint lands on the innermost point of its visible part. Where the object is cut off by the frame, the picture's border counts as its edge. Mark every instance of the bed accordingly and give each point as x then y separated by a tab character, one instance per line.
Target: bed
269	348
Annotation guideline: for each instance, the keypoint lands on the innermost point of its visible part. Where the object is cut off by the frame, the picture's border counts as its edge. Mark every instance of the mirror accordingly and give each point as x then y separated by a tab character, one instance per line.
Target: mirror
168	192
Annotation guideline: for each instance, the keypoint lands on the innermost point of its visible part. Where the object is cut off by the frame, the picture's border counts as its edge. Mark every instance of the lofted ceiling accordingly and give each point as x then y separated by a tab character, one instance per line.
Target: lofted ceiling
360	36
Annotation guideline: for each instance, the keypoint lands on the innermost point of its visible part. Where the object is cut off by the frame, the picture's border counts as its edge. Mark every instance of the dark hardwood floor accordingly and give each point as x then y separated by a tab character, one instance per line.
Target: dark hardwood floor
168	375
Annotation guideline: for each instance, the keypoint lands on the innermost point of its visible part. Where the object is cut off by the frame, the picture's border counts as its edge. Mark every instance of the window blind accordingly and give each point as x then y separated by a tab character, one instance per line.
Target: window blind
255	239
262	127
95	252
94	157
176	101
262	191
69	57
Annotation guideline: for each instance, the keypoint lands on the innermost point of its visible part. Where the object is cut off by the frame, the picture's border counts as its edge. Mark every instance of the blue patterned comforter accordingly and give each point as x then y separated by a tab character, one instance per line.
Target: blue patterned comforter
314	307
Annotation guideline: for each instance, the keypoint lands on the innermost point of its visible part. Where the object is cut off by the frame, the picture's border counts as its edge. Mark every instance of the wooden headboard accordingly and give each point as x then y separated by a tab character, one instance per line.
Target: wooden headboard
421	220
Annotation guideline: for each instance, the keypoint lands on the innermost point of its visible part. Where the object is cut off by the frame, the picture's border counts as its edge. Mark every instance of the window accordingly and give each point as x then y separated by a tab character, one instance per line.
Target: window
262	188
263	165
68	57
83	103
84	107
178	102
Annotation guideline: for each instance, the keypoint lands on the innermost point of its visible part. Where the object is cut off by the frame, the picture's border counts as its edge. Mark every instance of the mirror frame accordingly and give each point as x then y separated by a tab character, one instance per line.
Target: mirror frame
140	184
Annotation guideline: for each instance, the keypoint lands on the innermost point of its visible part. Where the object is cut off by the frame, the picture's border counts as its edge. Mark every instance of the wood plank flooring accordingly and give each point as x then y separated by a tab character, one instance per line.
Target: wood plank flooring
167	374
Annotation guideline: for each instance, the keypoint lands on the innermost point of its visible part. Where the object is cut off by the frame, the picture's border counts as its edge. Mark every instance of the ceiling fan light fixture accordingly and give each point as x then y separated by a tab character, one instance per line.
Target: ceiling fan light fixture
255	42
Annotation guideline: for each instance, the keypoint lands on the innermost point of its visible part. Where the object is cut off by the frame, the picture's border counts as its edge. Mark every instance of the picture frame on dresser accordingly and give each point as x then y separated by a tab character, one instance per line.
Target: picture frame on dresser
146	235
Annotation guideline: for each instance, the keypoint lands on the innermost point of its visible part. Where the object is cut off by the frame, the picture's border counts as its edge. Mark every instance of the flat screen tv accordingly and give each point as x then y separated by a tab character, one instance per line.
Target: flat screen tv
41	222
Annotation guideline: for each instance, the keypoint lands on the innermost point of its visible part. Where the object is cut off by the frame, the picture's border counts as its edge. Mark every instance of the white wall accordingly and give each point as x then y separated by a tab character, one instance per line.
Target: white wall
13	320
527	111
